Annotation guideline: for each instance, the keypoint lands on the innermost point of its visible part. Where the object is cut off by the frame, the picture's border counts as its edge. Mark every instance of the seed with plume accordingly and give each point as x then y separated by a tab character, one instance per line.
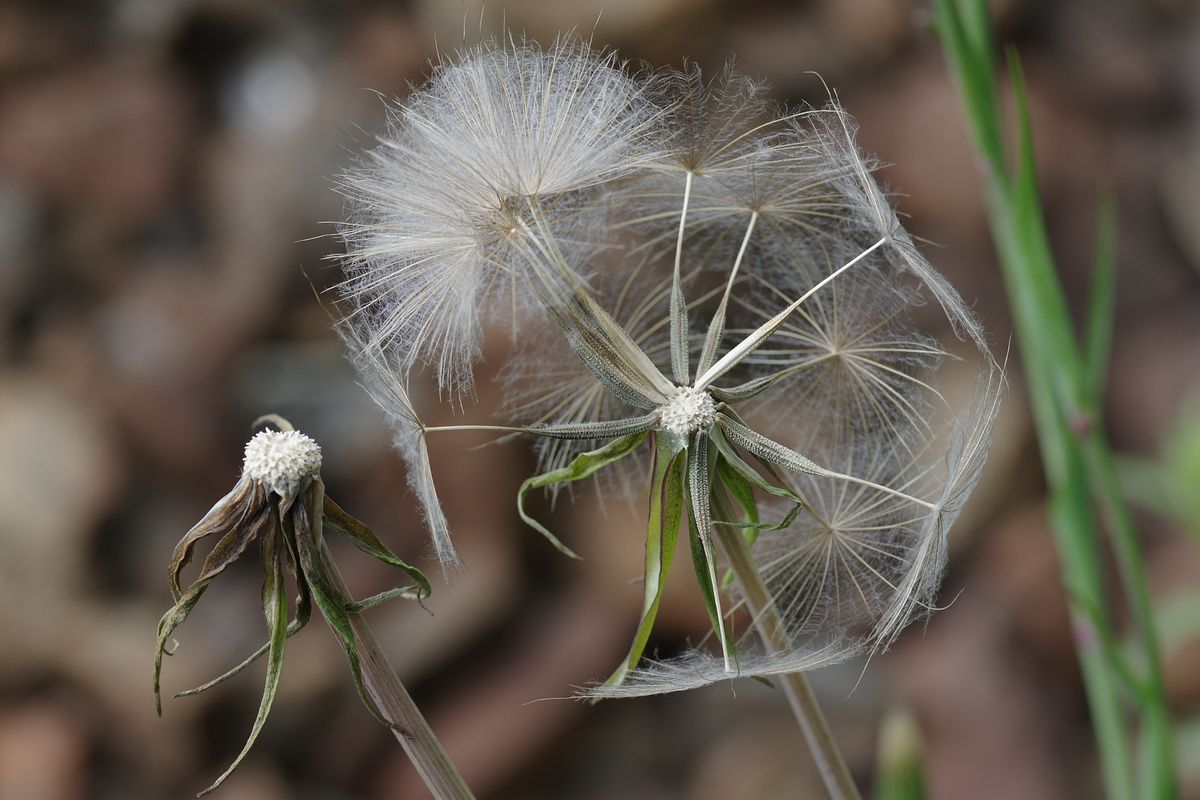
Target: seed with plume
439	216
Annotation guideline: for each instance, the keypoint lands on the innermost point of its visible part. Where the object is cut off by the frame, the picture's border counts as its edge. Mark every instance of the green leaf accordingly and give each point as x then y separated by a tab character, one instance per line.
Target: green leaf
1102	299
171	620
303	615
275	609
741	490
364	539
732	480
750	530
702	566
229	549
584	465
666	512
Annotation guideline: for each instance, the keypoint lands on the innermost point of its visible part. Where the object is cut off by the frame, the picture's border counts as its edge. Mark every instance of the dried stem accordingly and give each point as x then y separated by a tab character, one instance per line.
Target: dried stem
412	731
833	769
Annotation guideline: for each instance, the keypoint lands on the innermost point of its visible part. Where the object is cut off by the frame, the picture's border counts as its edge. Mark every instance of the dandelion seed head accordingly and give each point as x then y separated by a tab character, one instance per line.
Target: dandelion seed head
642	226
280	460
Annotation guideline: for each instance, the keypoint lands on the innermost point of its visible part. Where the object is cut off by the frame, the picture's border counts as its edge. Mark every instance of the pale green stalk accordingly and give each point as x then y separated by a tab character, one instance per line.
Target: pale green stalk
830	763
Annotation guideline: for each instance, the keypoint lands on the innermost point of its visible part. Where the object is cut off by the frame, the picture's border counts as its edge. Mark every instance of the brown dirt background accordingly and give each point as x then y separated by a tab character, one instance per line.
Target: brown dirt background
165	173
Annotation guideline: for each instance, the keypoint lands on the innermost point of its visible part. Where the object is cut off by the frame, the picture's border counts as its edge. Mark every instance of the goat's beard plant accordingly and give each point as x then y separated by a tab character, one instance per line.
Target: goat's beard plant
695	281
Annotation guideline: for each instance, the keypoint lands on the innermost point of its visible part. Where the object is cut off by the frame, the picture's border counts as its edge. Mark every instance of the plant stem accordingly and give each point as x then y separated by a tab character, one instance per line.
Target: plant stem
1158	750
830	763
412	731
1071	516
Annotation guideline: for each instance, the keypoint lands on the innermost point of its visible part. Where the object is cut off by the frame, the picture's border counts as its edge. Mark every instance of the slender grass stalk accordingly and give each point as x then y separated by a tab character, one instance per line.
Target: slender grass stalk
411	729
1065	385
830	763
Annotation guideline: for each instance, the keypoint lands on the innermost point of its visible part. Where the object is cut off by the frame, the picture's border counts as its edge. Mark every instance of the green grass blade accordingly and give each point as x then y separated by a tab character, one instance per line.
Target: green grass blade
974	72
899	775
1102	300
1064	382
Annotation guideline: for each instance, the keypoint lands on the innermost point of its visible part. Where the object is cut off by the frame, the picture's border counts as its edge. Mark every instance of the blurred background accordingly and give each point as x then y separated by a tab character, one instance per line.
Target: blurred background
165	208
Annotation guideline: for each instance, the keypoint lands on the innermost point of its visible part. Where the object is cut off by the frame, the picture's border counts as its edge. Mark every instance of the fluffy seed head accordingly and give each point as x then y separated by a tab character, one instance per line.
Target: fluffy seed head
690	410
441	211
670	228
279	460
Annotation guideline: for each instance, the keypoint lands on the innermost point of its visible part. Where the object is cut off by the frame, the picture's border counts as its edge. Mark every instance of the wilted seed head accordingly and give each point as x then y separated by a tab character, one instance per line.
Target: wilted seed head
280	506
279	460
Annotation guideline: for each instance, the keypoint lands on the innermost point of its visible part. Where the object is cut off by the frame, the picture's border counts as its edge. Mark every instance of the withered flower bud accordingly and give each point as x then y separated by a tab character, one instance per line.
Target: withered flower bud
280	504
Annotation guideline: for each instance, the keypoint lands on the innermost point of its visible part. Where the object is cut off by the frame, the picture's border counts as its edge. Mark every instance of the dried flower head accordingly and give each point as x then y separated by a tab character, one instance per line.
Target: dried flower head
280	460
748	325
279	504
